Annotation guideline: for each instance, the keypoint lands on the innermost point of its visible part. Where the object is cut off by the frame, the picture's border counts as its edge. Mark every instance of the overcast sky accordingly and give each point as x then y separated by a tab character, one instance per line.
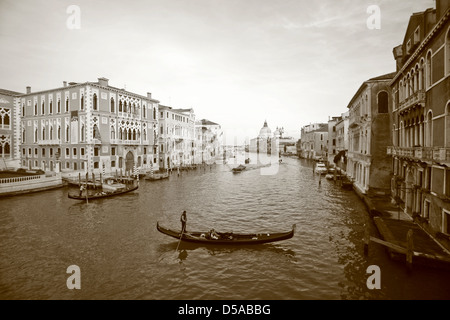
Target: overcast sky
235	62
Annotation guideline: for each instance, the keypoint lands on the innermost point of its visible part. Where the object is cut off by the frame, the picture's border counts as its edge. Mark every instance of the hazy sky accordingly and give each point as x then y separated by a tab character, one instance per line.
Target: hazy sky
238	63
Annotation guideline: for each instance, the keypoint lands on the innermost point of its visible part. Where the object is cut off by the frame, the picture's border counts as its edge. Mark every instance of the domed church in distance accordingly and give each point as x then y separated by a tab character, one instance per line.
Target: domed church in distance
265	141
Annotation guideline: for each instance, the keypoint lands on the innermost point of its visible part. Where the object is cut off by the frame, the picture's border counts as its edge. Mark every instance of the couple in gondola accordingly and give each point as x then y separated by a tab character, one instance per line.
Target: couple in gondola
183	219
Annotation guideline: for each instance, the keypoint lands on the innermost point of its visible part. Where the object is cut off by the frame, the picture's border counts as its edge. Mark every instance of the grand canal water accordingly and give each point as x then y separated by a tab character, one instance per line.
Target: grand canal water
121	255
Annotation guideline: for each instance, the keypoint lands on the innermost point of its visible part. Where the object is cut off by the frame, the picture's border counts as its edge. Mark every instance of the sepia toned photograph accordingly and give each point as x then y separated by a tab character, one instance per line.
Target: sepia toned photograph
225	155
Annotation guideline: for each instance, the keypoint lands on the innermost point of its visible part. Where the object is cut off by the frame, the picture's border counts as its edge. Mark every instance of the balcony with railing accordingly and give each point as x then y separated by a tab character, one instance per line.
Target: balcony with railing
417	98
49	142
125	142
435	154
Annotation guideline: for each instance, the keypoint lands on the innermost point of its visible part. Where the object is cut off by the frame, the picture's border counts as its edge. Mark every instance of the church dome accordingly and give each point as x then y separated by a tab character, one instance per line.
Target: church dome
265	131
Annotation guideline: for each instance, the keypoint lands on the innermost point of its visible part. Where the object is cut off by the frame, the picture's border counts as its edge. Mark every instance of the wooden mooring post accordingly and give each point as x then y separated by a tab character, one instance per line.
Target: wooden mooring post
366	238
408	251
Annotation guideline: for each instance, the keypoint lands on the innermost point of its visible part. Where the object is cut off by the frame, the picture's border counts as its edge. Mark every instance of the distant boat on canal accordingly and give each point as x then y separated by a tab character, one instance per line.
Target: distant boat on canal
239	168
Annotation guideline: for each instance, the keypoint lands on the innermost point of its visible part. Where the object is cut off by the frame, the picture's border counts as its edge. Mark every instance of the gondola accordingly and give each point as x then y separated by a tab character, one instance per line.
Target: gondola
157	176
100	194
227	238
240	168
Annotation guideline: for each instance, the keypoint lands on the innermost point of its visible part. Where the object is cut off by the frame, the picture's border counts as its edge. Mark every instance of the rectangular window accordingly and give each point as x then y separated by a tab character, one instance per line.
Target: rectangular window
113	164
408	47
417	35
82	151
43	152
445	221
426	209
113	151
96	152
74	150
67	152
447	183
428	178
96	165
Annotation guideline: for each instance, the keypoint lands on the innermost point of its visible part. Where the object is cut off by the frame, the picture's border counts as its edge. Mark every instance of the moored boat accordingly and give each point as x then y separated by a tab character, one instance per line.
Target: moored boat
157	176
227	238
102	194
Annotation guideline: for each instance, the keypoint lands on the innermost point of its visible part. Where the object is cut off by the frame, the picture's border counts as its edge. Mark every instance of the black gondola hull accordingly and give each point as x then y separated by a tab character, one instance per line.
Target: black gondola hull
229	238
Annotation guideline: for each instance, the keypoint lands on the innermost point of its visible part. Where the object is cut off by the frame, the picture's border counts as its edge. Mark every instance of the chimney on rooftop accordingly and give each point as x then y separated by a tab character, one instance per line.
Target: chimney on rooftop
103	82
65	83
149	95
28	90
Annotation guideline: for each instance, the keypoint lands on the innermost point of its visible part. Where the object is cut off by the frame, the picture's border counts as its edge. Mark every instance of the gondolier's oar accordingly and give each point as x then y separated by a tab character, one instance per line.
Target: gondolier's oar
182	231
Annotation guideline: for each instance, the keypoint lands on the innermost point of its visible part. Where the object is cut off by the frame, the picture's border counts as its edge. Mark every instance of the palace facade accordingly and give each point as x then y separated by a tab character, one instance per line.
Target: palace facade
420	150
88	126
177	137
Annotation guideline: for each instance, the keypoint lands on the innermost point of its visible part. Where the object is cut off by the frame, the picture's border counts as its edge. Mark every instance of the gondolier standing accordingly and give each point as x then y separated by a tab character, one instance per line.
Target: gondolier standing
183	220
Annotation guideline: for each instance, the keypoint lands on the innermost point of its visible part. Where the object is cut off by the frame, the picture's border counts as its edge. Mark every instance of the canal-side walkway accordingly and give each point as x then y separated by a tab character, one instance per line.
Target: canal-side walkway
393	225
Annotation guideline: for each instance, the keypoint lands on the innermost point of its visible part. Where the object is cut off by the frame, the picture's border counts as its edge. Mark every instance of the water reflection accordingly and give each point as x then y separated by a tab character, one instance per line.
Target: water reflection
216	250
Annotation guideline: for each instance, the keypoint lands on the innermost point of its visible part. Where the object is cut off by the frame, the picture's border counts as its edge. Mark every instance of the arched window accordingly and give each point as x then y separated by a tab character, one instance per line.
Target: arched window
447	126
23	136
83	133
383	102
51	133
429	131
43	133
82	102
120	134
120	106
113	133
6	151
95	102
59	106
145	135
402	135
67	105
112	106
129	134
6	120
67	133
59	132
50	107
23	109
35	135
43	108
421	75
428	78
395	136
96	132
447	52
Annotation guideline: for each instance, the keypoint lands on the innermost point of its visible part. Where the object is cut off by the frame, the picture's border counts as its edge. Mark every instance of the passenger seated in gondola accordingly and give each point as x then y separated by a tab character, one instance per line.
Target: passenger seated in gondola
213	235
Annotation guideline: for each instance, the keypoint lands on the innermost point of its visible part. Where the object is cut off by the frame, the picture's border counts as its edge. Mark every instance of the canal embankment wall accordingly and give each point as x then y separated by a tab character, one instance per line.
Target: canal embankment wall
33	183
